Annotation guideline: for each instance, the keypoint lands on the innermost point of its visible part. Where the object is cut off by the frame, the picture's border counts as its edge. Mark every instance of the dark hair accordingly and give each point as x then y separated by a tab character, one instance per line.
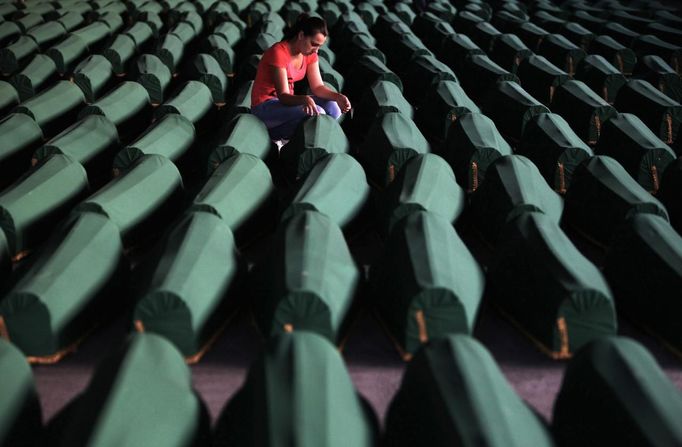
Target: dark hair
310	25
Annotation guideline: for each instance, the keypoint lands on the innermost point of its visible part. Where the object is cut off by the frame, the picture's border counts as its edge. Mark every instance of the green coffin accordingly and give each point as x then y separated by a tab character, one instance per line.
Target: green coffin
38	74
644	268
426	183
230	31
643	155
244	134
20	414
550	143
193	101
92	142
364	73
127	106
20	136
278	406
329	74
142	34
508	51
602	196
405	12
172	136
531	34
94	76
561	52
336	186
408	44
513	185
55	186
391	141
15	56
479	74
139	395
94	35
361	44
308	280
447	102
427	284
602	77
65	292
621	57
68	53
204	68
120	53
219	47
473	143
421	74
153	75
5	259
649	44
541	78
453	393
583	109
614	393
578	34
660	113
316	137
620	33
540	280
241	103
240	191
141	201
659	74
189	281
170	51
54	109
382	97
431	29
511	107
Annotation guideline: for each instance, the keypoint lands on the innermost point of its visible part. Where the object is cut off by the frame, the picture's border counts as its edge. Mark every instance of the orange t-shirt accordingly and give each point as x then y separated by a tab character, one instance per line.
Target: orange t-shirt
277	55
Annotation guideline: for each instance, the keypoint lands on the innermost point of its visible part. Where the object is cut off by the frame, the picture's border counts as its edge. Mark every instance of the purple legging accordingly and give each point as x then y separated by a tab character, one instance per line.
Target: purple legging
282	120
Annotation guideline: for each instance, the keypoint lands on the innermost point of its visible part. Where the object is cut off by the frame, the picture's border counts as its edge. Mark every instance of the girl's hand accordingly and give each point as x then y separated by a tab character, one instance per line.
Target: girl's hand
309	107
343	102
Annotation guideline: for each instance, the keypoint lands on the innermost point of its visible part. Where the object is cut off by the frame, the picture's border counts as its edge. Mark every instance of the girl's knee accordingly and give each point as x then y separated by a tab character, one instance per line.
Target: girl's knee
332	109
320	110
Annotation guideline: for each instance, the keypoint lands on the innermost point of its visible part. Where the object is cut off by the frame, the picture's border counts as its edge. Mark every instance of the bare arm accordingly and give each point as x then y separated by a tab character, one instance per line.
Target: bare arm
279	76
320	90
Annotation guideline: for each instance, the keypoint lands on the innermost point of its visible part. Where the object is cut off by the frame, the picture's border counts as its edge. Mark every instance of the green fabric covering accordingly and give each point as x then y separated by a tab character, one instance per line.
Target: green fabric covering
278	406
127	106
561	52
244	134
541	78
548	21
241	103
189	281
68	53
427	283
508	51
671	193
113	21
473	143
153	75
513	185
141	33
170	51
447	102
621	57
21	135
65	293
5	259
391	141
359	45
316	137
55	108
8	31
329	74
218	47
93	75
644	268
667	33
405	12
336	187
643	155
17	54
658	73
37	75
184	31
649	44
431	29
141	199
422	73
660	113
91	142
544	284
56	183
20	415
453	393
172	136
408	44
382	97
531	34
578	34
602	196
455	50
620	33
511	107
425	183
139	395
240	191
480	74
614	393
308	280
602	77
485	35
550	143
120	52
365	72
9	97
327	54
584	110
33	16
193	101
206	69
